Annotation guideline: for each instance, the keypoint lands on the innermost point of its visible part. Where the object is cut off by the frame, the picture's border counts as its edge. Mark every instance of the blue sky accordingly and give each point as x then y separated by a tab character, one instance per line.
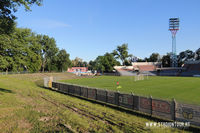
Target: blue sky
88	28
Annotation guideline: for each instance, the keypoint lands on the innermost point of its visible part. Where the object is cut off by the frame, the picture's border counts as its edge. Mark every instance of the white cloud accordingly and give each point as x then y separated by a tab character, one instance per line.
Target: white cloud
49	24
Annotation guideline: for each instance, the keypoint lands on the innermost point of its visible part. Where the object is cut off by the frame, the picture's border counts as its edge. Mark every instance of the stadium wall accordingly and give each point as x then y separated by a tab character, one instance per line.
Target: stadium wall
169	110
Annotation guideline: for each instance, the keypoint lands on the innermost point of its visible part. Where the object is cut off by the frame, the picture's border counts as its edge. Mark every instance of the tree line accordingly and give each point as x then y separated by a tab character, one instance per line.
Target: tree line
24	50
182	57
106	62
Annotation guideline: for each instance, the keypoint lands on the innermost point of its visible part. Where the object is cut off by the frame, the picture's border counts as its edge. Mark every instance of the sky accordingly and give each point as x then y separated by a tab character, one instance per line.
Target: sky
89	28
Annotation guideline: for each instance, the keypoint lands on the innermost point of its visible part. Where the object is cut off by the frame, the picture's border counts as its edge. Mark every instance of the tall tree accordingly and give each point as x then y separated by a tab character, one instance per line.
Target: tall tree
104	63
184	56
19	52
48	52
7	9
78	62
154	57
4	54
99	64
121	53
166	60
197	54
63	61
109	62
23	50
91	65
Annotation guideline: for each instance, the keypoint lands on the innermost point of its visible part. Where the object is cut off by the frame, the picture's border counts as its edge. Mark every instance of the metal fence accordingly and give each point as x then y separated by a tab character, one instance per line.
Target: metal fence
9	73
164	109
26	72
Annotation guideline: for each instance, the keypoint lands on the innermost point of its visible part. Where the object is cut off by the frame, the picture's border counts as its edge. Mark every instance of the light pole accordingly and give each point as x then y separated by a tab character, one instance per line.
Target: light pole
174	27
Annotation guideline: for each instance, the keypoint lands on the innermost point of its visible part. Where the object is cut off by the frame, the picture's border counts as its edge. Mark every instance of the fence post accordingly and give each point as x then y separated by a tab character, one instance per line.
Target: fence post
68	88
151	104
173	109
95	93
133	99
72	89
87	91
67	85
80	87
50	82
117	98
106	95
138	103
63	86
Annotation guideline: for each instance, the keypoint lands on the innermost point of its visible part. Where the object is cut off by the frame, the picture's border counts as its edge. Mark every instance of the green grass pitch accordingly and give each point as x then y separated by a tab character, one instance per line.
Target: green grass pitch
183	89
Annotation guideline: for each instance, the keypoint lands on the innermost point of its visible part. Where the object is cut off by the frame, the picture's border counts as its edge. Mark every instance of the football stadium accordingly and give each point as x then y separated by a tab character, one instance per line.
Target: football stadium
99	66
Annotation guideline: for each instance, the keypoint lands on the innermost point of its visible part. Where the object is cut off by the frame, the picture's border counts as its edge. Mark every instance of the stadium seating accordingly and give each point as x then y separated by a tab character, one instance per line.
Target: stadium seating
147	68
169	72
191	69
153	69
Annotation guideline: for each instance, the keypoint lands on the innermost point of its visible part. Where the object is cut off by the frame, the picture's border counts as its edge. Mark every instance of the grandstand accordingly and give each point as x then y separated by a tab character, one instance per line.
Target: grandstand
190	68
169	71
144	68
125	70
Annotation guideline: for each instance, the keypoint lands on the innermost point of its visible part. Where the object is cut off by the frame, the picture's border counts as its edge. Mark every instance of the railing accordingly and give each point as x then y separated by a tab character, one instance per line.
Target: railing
25	72
8	73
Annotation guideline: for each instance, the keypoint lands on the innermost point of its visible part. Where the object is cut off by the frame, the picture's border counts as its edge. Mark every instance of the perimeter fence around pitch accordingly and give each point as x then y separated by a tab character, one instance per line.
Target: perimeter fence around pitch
169	110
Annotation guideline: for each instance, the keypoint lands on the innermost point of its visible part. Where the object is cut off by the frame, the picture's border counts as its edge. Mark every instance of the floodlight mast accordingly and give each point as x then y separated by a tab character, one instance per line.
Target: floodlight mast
174	27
